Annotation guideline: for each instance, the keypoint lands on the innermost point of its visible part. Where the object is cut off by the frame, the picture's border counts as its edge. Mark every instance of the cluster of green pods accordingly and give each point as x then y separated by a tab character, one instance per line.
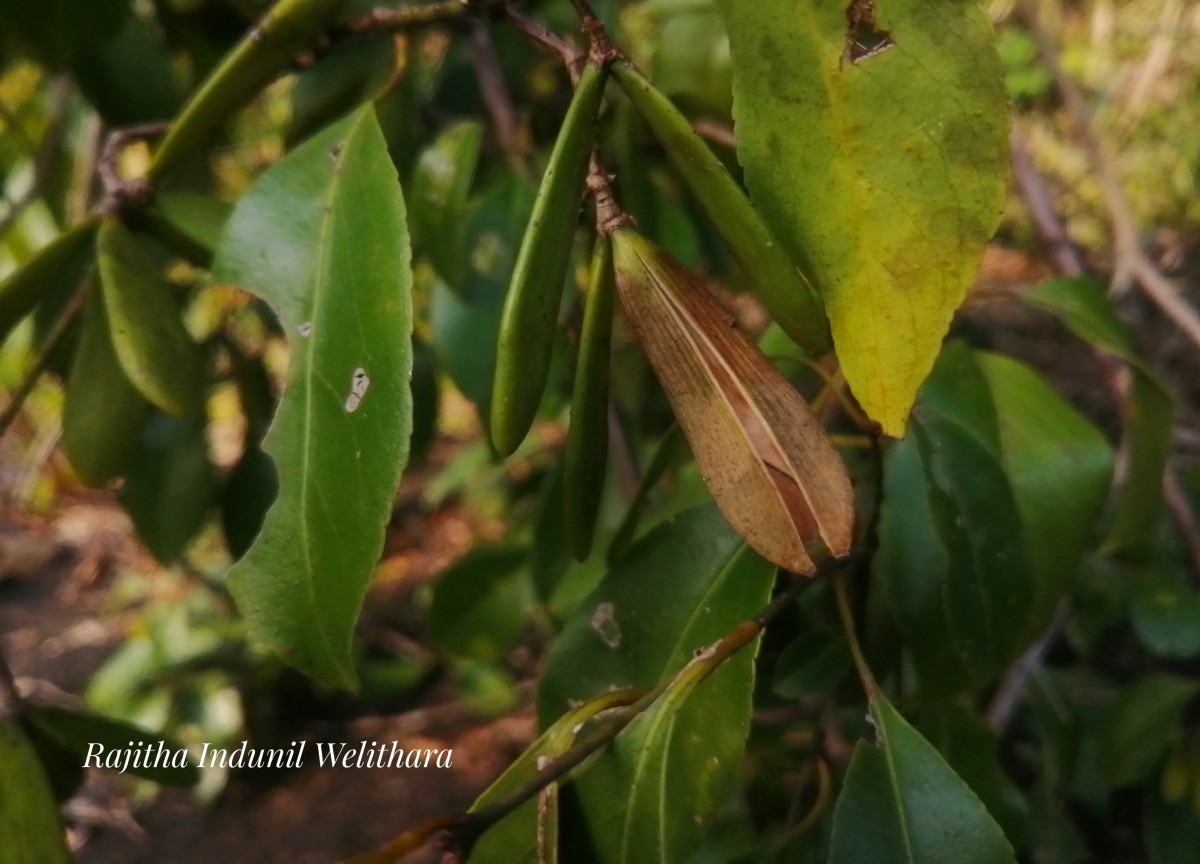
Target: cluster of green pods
766	459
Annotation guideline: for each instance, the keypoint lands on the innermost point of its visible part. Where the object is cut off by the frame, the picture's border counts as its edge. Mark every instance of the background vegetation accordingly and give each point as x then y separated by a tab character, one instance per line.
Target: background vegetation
1052	458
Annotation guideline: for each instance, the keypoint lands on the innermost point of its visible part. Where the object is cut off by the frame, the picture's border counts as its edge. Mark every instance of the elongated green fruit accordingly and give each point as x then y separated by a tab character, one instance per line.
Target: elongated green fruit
587	439
530	313
770	466
788	295
22	290
269	48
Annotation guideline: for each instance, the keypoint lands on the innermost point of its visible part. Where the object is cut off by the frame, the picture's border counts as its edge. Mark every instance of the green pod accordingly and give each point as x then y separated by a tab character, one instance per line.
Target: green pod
63	257
786	292
269	48
530	313
587	440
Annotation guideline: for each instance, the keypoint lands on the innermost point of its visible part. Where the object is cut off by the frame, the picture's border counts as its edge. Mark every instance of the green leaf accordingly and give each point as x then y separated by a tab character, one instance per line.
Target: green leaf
481	603
885	177
78	730
438	201
1171	831
1142	726
62	766
988	589
151	343
103	413
972	750
1059	466
514	838
247	496
811	665
912	565
651	794
189	222
1082	305
170	486
1166	613
63	260
901	802
30	832
322	238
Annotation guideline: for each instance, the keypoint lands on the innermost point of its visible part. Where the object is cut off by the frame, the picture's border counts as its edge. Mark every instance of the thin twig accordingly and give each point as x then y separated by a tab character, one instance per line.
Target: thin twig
1064	254
121	192
56	334
1131	262
1012	688
718	133
842	597
590	23
496	98
385	20
539	34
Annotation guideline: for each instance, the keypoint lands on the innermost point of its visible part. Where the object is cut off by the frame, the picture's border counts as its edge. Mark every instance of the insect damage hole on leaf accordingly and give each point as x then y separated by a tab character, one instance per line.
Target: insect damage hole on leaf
864	38
604	622
359	382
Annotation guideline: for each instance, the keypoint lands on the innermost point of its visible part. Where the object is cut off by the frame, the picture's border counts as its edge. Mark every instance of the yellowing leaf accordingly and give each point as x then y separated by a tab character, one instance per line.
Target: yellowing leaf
874	138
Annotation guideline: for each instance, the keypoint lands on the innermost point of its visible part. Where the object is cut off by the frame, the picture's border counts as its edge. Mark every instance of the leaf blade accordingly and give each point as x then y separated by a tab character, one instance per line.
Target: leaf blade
894	242
322	237
148	335
902	802
642	796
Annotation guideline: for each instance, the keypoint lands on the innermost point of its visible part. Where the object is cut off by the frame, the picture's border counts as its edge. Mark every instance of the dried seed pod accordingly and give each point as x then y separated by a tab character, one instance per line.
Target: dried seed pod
527	323
770	466
587	440
783	288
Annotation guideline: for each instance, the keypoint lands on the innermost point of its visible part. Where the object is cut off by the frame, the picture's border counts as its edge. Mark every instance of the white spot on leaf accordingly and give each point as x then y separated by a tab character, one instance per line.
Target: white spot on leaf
604	622
304	329
359	382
